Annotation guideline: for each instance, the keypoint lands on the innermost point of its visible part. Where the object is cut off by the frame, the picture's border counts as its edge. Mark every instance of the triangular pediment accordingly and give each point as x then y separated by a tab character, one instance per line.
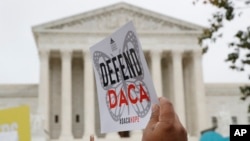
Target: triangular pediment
114	16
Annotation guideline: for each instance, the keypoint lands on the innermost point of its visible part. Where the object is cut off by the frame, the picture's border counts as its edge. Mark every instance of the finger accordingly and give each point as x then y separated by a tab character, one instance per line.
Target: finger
154	115
91	138
167	113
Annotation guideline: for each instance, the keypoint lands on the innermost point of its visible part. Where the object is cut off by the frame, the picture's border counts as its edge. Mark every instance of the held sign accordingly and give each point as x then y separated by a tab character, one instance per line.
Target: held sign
125	88
15	124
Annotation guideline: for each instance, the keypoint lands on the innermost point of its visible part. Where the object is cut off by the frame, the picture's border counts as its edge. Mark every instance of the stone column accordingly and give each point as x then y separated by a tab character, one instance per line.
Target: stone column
89	101
66	133
43	97
199	91
178	88
156	70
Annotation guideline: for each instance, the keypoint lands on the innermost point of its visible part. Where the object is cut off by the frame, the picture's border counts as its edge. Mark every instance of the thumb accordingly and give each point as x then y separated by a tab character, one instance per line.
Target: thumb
91	138
154	115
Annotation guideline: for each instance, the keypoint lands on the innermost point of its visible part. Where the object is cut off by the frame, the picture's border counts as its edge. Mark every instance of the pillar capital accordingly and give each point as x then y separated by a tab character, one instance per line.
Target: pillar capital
86	54
44	53
156	53
66	53
177	52
197	52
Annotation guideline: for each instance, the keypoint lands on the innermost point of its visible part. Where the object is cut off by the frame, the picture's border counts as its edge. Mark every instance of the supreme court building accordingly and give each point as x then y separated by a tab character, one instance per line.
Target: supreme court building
64	104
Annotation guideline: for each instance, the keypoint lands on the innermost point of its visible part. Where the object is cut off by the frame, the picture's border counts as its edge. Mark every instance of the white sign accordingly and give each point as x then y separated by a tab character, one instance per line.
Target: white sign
9	136
125	88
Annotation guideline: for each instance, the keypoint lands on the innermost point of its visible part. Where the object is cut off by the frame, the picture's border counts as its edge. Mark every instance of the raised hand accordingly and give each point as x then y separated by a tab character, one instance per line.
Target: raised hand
164	124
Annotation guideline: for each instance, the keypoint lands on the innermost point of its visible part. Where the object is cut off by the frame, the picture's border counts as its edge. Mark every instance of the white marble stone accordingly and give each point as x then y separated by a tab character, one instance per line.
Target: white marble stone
178	88
160	36
66	130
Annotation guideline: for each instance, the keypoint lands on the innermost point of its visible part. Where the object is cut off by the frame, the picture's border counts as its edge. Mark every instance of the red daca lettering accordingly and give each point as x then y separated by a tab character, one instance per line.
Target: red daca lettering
134	119
143	94
123	99
110	93
130	87
113	99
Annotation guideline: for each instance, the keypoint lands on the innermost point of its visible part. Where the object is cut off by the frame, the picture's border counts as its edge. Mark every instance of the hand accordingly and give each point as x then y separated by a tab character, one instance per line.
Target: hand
164	124
91	138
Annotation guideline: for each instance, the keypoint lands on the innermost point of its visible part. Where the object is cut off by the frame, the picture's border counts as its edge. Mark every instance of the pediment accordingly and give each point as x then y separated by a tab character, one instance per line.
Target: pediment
114	16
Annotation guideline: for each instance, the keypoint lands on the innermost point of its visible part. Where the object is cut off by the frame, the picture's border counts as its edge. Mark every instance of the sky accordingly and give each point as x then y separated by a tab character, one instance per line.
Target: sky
19	62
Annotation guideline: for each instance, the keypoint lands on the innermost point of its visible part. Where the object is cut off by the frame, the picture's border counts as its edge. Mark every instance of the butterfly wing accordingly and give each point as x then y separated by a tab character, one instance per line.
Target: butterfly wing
100	57
116	112
142	107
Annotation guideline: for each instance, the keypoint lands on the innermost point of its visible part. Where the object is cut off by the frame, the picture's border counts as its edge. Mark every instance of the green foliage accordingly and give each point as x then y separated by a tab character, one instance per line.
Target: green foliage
227	11
245	90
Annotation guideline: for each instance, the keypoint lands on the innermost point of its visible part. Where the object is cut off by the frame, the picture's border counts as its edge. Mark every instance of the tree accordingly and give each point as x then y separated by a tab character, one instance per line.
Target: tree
229	11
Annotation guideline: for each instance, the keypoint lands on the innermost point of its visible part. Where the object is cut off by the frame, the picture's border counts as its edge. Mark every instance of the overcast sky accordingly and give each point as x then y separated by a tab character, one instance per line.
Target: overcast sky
18	53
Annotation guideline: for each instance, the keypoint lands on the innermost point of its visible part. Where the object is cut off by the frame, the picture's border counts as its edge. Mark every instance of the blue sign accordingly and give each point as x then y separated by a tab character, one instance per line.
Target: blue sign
212	136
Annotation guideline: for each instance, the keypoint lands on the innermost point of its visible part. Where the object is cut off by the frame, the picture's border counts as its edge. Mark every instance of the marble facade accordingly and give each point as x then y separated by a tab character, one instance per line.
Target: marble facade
171	49
66	102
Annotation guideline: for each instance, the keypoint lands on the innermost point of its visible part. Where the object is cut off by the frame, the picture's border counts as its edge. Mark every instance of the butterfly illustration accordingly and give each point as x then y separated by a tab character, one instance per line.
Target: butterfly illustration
140	108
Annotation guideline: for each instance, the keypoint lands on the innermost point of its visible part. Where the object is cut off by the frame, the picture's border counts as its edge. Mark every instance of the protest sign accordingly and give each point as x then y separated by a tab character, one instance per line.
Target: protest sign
15	124
125	88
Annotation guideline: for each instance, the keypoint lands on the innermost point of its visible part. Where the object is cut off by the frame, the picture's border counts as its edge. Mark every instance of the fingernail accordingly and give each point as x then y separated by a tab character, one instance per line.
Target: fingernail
154	107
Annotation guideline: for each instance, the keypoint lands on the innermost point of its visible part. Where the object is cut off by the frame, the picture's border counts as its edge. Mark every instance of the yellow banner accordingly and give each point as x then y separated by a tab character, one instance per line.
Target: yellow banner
15	124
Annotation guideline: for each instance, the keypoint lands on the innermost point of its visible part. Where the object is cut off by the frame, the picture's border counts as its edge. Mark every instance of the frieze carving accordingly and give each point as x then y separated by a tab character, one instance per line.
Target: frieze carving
114	19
